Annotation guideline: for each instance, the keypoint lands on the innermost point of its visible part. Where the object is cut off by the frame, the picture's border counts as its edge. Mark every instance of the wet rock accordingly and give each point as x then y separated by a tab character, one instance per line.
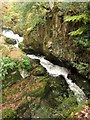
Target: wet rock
10	41
24	73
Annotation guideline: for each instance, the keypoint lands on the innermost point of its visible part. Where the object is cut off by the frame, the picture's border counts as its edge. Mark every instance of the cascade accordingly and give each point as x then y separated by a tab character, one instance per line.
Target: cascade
55	70
10	34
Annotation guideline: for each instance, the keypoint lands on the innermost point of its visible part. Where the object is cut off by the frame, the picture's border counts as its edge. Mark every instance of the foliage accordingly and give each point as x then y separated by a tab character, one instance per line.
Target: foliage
84	19
23	63
84	42
24	16
10	17
67	106
78	18
9	114
8	65
21	45
83	31
82	67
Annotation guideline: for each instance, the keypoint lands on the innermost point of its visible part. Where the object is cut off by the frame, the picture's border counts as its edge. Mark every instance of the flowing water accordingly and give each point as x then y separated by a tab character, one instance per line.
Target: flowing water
53	70
10	34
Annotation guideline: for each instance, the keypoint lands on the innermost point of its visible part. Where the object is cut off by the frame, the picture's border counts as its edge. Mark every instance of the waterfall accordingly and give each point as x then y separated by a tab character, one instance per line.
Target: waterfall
55	70
10	34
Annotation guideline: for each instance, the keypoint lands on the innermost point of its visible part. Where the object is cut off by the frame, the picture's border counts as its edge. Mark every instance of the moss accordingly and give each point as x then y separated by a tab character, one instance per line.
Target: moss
83	68
67	106
43	112
10	41
14	91
39	71
9	114
38	89
21	46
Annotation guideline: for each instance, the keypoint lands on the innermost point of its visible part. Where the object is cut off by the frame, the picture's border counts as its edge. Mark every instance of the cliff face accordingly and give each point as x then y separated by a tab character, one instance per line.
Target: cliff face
52	39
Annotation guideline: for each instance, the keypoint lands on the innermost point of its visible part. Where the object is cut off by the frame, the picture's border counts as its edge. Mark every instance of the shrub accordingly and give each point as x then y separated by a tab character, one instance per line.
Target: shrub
7	65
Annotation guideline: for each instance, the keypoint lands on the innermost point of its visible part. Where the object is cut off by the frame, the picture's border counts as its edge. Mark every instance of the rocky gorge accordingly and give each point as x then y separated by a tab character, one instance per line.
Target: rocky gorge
52	40
49	83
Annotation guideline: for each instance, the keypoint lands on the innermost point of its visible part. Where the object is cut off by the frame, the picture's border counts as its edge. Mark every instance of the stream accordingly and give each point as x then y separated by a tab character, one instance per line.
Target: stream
53	70
10	34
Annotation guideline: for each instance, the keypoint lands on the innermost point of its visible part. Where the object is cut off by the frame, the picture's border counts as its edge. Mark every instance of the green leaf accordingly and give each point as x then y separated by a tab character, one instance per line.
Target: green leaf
77	18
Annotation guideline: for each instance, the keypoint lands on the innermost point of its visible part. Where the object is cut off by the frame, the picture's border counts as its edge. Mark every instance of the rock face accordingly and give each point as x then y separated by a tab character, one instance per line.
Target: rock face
52	39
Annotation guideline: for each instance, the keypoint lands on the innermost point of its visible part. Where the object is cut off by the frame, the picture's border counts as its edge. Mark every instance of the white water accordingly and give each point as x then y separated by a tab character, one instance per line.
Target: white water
10	34
55	70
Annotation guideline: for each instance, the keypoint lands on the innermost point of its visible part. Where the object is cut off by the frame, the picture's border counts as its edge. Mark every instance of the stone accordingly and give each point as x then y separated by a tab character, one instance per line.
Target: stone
10	41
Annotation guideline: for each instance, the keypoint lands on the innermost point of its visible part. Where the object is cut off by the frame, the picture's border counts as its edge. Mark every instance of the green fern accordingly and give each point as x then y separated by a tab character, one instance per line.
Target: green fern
77	18
84	19
79	31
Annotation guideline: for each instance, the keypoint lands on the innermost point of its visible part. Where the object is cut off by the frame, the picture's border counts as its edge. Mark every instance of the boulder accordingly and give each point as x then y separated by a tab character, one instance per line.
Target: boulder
10	41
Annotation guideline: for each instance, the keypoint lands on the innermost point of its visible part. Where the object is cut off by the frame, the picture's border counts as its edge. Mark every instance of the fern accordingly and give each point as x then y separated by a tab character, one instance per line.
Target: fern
82	18
77	18
79	31
83	31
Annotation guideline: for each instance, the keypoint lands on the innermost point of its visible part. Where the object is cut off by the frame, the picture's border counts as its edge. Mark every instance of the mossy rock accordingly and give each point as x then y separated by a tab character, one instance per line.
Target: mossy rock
11	79
23	110
10	41
38	71
21	46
